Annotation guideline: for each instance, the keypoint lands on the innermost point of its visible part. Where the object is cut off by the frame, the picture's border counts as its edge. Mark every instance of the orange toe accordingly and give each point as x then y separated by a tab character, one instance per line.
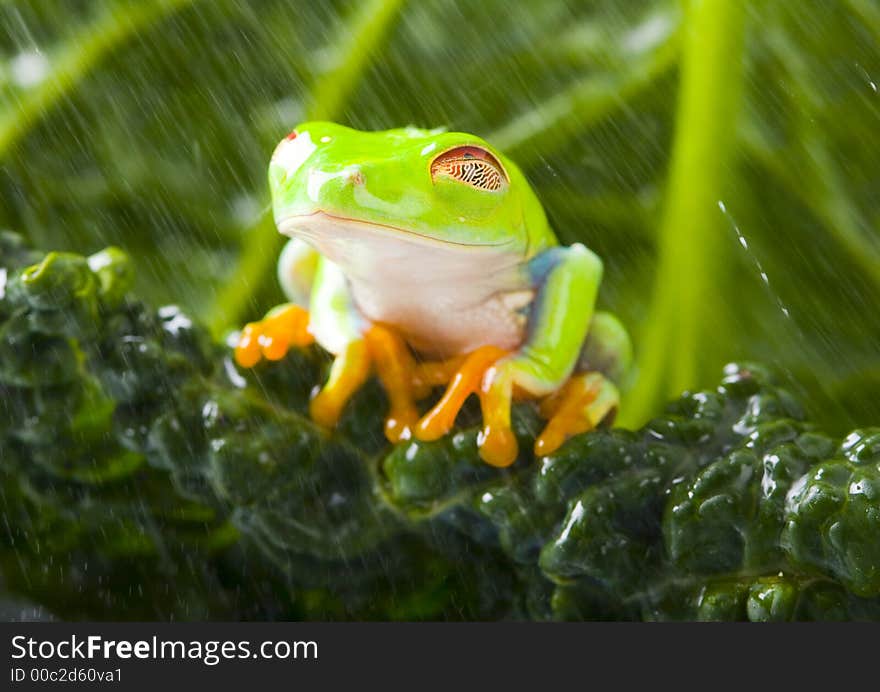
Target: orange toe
349	371
248	352
395	367
568	412
272	337
465	381
274	342
399	425
498	446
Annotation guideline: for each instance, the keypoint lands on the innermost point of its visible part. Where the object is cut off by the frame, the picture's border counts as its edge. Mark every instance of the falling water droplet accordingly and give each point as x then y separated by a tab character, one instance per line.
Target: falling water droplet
29	68
760	267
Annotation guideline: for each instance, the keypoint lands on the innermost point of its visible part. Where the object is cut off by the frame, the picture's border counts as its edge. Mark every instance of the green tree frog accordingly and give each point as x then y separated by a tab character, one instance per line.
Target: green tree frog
425	257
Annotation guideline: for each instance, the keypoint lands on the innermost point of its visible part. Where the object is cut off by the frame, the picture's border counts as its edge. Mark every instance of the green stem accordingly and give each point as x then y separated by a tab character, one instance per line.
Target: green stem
357	42
73	62
692	226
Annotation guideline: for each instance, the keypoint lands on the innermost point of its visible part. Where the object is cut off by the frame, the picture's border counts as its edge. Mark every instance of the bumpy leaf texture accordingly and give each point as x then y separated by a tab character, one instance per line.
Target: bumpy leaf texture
143	475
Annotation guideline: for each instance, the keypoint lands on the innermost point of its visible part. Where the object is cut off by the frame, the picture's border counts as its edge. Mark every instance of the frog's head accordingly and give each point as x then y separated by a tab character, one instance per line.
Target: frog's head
443	189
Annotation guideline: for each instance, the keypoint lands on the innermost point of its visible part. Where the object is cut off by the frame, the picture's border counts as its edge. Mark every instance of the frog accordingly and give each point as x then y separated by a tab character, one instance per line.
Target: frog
424	257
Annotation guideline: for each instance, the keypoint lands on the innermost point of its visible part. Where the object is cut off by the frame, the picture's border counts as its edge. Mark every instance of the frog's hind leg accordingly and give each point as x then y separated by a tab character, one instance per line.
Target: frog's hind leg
582	404
607	349
590	397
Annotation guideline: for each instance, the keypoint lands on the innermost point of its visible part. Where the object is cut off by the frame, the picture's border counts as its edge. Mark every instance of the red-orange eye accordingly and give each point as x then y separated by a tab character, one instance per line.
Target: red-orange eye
472	166
291	136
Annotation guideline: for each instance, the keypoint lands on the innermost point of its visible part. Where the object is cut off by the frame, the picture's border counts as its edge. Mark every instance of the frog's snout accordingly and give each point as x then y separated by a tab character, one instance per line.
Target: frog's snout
291	153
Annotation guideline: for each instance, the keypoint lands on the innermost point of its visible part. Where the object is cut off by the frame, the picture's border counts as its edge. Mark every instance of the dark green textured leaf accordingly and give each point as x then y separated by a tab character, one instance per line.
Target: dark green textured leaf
152	455
720	157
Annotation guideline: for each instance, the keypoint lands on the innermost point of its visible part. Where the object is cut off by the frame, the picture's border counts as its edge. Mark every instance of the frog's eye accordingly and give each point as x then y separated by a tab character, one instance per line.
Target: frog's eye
472	166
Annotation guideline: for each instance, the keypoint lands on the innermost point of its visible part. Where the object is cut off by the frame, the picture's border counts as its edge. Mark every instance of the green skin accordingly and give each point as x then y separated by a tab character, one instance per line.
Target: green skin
379	237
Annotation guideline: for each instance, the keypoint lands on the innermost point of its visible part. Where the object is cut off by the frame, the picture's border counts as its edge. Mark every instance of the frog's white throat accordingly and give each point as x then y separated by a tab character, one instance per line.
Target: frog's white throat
319	225
363	249
446	297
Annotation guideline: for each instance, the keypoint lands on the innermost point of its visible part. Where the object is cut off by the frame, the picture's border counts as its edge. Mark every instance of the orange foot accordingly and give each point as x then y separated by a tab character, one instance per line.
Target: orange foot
395	368
288	325
272	337
463	382
580	405
384	351
468	376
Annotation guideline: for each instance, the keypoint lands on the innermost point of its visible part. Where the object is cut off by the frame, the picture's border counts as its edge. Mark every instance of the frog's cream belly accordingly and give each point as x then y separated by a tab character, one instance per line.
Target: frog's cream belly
445	298
439	320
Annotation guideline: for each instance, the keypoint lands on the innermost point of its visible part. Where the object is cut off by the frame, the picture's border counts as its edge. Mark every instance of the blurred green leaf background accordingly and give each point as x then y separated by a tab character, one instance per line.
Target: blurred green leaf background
720	155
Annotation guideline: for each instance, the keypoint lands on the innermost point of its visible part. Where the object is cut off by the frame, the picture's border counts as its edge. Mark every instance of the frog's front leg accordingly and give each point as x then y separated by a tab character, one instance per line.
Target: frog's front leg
463	376
567	280
395	367
287	325
308	279
339	329
358	345
272	337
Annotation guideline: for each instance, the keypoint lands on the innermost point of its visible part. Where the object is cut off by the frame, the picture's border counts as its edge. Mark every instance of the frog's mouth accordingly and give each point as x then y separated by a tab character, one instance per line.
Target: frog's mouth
321	228
371	252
